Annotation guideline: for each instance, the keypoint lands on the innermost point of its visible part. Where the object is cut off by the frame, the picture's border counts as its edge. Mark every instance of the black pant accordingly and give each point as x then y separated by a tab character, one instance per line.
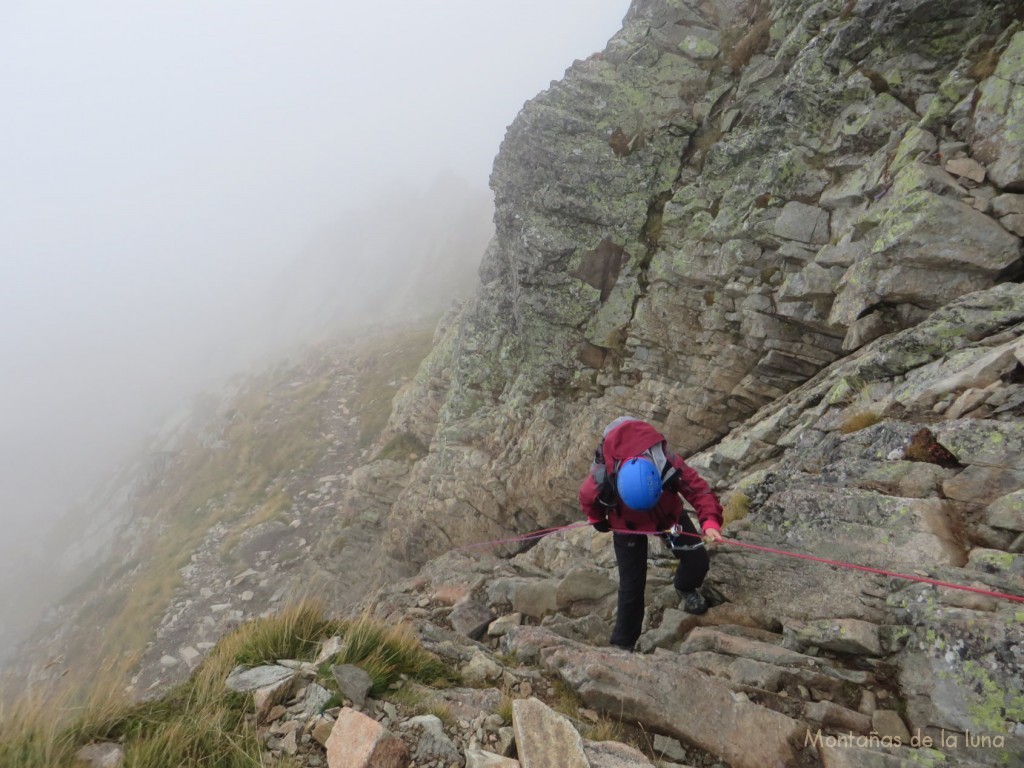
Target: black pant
631	557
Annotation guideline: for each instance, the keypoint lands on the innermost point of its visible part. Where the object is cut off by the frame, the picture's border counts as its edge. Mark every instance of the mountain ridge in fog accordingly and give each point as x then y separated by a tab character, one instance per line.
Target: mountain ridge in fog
403	257
405	254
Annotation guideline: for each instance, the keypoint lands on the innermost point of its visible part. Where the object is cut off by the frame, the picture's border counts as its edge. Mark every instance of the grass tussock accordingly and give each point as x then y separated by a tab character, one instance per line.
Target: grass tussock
31	737
201	722
858	420
862	410
736	507
387	654
566	700
294	633
605	729
985	65
750	34
505	708
443	712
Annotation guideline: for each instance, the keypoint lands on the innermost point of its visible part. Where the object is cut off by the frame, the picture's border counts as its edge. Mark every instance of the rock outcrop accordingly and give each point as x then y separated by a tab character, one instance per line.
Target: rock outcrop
727	199
789	234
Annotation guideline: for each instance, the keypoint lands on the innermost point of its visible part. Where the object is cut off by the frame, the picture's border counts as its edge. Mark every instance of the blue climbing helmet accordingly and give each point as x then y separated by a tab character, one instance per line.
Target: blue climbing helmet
639	483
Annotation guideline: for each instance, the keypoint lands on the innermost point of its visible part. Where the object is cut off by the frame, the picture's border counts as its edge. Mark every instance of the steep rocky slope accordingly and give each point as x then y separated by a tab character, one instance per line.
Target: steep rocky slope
692	227
695	221
788	232
214	528
905	458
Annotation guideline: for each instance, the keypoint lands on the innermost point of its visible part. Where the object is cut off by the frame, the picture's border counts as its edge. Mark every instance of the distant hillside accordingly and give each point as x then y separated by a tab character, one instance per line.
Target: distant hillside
407	255
210	529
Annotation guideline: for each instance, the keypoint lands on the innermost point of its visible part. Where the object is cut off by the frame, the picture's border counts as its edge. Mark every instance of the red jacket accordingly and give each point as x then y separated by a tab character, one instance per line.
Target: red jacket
632	438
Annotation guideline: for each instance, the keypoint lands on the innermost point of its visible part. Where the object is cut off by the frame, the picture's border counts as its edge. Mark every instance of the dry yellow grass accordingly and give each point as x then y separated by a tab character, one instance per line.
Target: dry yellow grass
736	507
200	722
605	729
858	420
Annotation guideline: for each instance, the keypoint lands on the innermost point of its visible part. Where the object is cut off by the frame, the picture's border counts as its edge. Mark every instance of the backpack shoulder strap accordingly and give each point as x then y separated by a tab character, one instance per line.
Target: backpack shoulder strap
607	493
658	453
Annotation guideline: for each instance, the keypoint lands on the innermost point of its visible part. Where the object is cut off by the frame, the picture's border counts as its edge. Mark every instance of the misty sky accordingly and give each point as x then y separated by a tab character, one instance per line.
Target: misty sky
160	162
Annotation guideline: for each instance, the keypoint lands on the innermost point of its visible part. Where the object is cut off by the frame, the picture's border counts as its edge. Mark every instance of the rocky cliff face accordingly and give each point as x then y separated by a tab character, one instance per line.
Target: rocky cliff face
700	218
789	234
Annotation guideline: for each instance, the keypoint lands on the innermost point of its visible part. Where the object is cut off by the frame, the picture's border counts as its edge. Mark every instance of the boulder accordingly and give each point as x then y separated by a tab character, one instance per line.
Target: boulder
612	754
886	722
837	718
244	679
353	682
535	598
470	618
478	758
802	222
432	744
841	635
654	689
502	624
270	685
926	249
480	669
358	741
101	755
584	584
544	737
998	116
1007	512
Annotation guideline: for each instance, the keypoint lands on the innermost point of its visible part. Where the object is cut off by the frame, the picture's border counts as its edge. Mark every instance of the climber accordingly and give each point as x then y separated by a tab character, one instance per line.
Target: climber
634	489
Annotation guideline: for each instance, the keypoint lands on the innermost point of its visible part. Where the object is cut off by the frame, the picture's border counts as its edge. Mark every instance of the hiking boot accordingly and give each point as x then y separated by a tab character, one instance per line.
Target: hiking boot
626	648
693	602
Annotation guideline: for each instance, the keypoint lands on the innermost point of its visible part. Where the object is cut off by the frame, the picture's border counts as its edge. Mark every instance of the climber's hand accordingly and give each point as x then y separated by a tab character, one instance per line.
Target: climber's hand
712	535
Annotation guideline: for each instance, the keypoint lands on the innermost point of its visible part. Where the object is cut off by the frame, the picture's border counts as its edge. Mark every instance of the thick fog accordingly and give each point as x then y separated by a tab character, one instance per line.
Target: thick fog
170	171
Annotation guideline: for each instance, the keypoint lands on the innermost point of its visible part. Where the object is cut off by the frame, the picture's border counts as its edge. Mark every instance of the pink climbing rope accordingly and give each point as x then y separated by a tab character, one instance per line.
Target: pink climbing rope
772	550
538	534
